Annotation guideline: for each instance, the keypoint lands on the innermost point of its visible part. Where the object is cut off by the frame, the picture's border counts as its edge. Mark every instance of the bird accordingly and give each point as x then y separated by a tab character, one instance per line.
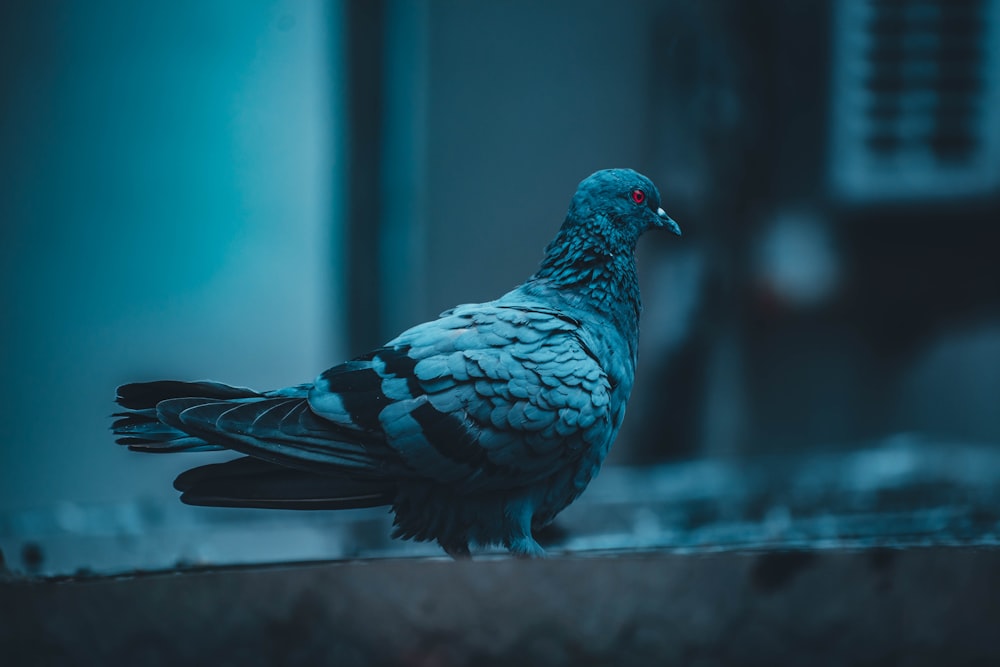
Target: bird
476	428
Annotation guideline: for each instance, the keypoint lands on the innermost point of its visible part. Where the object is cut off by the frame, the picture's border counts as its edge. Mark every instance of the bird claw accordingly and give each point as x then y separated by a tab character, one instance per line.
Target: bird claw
458	552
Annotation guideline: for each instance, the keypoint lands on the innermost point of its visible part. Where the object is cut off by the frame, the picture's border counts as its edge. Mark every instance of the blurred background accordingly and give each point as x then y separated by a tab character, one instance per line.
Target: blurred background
254	191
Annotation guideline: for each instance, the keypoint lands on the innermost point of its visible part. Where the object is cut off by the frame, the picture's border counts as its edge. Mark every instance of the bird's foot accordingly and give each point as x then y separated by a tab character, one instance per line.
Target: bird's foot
458	551
526	547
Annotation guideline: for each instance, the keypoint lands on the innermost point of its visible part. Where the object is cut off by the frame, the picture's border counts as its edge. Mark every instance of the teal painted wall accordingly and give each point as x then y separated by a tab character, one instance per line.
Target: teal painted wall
168	183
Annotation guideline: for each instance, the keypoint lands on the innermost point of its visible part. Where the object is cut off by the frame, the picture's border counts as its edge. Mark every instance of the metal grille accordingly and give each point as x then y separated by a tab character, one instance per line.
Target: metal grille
916	98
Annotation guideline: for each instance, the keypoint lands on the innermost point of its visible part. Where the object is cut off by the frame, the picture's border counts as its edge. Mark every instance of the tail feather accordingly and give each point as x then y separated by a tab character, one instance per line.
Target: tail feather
294	459
145	395
141	431
251	482
238	427
140	428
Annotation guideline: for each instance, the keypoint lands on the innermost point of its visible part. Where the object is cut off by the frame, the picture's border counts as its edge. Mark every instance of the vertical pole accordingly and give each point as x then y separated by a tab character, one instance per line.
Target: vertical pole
364	196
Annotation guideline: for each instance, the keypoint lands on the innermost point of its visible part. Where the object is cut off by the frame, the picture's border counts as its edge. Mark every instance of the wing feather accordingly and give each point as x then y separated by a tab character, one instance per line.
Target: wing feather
489	396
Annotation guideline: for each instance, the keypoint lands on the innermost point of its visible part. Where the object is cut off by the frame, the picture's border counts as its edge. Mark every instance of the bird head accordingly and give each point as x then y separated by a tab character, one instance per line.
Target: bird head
623	197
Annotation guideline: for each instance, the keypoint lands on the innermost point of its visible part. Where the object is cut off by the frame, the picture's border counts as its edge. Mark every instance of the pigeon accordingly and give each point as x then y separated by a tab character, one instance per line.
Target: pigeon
476	428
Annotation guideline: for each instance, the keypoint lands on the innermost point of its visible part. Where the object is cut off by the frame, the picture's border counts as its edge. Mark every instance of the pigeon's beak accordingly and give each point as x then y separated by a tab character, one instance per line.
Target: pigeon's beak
664	220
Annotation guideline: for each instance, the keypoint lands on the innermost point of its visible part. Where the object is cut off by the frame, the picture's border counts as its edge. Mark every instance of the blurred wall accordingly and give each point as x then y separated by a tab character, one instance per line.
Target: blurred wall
792	314
172	200
494	113
519	101
167	186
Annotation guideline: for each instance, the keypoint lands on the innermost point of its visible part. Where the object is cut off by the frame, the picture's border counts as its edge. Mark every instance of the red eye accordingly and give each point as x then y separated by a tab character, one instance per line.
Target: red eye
638	196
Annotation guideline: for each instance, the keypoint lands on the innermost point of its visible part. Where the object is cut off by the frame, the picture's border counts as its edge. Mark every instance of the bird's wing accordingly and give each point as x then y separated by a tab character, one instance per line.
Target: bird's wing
281	429
485	397
142	429
297	459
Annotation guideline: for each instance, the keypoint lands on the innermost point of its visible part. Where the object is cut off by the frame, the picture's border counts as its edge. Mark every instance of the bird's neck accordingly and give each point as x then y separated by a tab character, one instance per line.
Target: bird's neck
587	274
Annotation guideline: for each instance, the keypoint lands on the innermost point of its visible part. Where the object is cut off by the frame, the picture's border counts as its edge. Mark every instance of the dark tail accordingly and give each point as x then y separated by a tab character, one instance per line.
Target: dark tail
250	482
246	481
139	428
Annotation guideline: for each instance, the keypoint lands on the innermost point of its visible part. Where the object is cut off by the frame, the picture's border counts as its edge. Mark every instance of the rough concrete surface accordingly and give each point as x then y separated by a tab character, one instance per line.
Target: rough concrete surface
932	606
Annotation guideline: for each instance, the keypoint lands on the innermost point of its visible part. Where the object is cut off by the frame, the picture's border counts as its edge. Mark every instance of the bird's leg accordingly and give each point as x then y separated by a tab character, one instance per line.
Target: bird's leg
526	547
457	551
522	544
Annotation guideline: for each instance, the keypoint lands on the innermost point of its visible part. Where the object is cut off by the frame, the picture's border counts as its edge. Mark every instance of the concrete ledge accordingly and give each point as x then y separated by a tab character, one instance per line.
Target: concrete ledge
929	606
904	493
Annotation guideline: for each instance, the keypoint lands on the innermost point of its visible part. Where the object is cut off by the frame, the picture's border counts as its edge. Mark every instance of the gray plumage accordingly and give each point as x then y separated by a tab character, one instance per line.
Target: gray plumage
477	427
